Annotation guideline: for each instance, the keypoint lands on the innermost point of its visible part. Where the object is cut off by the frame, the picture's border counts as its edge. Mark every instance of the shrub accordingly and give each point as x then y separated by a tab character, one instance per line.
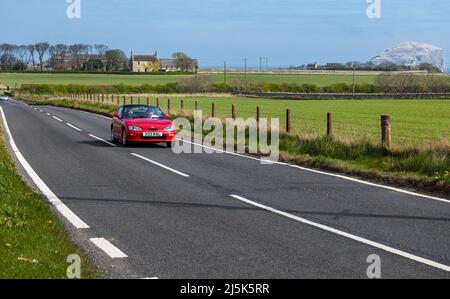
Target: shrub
338	88
247	85
195	84
40	89
409	83
222	88
366	88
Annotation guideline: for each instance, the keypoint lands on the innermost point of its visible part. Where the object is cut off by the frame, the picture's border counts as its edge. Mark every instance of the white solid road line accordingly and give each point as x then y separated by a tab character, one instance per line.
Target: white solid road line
73	127
323	173
103	140
160	165
58	119
108	248
373	184
54	200
346	235
94	114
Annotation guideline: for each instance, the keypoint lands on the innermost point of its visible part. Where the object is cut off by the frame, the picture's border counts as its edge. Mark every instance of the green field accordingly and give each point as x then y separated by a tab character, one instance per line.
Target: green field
413	121
11	79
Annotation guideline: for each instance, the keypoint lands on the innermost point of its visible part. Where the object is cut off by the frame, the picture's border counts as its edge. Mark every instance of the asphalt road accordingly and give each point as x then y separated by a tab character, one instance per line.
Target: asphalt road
174	216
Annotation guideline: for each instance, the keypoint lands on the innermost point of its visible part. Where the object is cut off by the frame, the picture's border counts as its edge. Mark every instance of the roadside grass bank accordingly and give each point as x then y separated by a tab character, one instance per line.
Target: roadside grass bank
33	241
424	168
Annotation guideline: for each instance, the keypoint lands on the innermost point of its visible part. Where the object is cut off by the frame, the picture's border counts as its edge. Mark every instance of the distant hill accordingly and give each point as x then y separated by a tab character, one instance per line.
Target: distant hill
412	54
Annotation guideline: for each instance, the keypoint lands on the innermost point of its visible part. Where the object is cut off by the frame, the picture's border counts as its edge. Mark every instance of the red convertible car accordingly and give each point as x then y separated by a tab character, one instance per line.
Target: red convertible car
141	123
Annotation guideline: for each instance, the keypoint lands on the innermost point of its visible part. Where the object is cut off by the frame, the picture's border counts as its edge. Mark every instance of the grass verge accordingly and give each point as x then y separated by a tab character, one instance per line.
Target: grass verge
424	169
33	241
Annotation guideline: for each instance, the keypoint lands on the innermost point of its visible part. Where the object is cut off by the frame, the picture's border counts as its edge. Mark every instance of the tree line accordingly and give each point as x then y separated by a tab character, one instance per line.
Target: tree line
62	57
76	57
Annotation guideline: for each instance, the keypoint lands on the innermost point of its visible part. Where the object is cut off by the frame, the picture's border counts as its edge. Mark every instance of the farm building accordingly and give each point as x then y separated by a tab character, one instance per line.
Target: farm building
151	63
144	63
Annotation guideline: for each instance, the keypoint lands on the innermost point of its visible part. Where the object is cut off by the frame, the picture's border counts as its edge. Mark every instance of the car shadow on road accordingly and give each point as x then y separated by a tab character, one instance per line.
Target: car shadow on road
98	143
333	215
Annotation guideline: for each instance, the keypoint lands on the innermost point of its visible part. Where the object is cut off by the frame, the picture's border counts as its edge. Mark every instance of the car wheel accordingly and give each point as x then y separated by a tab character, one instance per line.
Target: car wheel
124	138
113	139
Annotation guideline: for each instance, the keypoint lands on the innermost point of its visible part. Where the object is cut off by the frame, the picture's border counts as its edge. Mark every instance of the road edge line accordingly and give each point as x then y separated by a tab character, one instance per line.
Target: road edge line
344	177
52	198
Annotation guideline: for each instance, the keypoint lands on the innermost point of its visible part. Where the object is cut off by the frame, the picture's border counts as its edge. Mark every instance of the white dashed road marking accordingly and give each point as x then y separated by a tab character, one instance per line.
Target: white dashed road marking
103	140
73	127
160	165
346	235
108	248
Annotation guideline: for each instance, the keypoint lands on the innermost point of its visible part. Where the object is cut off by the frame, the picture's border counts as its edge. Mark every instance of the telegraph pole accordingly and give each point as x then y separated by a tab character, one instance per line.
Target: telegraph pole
245	68
354	86
225	71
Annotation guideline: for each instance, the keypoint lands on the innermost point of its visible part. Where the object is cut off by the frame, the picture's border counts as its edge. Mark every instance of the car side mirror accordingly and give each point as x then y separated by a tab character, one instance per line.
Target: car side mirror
166	116
116	115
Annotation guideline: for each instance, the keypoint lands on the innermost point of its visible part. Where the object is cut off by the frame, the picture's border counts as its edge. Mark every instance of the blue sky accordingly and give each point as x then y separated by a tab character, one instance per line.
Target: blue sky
289	32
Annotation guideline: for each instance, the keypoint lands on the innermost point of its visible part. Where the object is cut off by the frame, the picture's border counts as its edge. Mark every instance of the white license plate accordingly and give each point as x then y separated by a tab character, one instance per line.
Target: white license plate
152	134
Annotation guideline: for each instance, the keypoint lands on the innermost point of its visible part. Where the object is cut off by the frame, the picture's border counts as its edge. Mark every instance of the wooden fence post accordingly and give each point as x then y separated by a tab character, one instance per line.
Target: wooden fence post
124	100
258	114
182	106
386	130
157	102
213	110
168	106
148	101
196	105
329	125
233	111
132	101
288	120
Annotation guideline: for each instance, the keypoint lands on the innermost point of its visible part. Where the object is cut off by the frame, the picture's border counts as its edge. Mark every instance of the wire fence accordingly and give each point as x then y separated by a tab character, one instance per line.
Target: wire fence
364	126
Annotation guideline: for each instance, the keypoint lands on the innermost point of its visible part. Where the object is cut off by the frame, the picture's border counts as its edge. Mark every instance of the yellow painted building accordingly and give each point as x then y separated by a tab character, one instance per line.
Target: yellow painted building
144	63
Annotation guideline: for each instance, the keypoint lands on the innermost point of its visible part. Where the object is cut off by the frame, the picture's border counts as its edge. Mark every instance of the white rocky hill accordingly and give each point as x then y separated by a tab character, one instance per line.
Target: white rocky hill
411	54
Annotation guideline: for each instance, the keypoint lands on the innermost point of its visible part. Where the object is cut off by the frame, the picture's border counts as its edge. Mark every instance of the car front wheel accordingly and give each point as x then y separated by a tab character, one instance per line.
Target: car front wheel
124	138
113	139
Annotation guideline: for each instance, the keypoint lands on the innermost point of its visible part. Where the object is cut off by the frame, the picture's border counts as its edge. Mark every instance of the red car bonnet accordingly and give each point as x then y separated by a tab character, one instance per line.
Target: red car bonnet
158	123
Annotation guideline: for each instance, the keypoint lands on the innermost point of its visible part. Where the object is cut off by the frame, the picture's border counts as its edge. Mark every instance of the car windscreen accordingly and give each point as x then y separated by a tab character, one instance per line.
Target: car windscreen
142	112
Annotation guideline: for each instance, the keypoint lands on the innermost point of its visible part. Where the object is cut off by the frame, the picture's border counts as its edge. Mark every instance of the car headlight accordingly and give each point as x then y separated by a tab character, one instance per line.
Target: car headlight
134	128
170	128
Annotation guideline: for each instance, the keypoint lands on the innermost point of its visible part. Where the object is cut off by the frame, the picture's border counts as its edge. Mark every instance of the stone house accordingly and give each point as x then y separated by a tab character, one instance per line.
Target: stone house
152	64
144	63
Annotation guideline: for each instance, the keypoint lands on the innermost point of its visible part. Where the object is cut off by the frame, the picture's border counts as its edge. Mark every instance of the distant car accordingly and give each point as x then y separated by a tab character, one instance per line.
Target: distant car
4	98
141	123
